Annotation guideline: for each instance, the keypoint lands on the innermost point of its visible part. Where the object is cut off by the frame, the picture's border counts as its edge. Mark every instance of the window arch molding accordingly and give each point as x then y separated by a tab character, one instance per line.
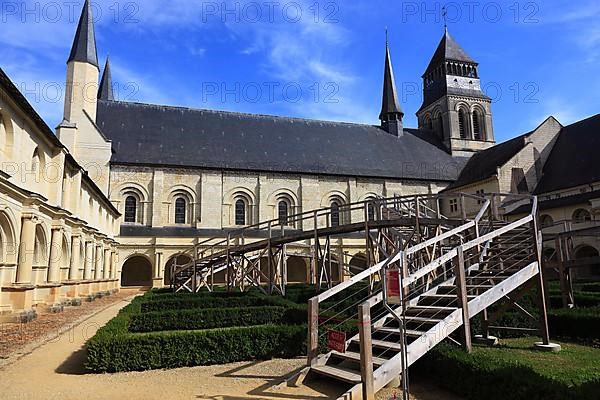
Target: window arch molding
133	212
289	197
581	215
182	194
249	200
336	201
463	115
371	198
478	122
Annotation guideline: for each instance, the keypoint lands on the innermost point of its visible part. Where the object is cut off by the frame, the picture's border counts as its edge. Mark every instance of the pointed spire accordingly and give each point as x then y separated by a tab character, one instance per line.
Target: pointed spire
390	108
84	45
106	83
449	49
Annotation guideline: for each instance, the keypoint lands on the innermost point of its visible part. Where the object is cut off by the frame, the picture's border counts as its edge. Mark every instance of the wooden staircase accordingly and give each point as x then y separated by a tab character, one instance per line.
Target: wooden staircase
501	258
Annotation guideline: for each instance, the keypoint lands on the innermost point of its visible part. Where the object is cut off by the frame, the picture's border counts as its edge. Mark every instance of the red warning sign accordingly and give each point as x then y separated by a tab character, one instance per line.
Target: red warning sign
336	341
393	289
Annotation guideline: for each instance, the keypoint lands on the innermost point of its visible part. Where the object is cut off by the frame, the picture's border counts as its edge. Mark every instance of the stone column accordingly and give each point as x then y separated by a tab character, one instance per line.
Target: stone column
157	264
107	261
26	248
98	264
89	260
113	264
74	274
55	255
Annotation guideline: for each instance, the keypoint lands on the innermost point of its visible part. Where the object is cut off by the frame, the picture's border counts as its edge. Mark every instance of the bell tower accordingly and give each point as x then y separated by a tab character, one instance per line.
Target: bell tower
454	107
82	70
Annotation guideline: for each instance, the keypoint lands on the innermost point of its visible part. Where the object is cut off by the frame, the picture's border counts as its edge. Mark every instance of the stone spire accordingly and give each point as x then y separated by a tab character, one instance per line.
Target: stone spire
391	113
106	83
84	45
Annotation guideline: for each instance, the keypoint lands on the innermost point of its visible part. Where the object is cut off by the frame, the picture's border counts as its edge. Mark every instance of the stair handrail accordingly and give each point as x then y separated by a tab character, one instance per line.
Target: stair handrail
397	256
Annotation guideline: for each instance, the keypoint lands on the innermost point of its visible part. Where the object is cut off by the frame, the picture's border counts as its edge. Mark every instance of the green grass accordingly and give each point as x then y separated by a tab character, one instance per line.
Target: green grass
514	370
574	365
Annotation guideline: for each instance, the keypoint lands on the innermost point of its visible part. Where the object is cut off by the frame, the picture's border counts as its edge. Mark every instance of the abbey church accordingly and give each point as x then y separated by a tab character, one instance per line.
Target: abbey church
121	190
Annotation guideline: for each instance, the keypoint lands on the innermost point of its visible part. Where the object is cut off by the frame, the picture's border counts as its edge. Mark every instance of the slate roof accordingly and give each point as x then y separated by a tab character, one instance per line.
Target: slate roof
84	44
484	164
449	49
182	137
574	160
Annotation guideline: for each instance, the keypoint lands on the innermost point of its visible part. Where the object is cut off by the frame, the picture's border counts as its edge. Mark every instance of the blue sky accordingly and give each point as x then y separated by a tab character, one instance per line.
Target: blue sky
313	58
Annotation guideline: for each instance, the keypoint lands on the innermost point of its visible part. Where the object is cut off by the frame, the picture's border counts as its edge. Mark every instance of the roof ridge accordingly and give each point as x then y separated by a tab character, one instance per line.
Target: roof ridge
266	116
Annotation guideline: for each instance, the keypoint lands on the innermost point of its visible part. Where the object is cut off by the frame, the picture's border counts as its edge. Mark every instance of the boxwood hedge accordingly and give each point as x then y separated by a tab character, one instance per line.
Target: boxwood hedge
216	318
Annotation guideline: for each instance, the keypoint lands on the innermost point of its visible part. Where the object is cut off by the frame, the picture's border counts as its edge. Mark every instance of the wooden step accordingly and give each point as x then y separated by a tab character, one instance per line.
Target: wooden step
409	332
444	296
430	309
336	372
355	357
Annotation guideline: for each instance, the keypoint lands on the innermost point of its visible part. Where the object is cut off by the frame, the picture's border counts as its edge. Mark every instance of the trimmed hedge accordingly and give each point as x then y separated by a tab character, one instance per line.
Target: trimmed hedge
139	352
216	318
514	373
578	323
193	302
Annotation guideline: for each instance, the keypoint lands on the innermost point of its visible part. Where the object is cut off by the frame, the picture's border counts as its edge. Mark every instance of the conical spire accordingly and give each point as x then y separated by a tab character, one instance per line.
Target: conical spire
390	108
84	45
449	49
106	84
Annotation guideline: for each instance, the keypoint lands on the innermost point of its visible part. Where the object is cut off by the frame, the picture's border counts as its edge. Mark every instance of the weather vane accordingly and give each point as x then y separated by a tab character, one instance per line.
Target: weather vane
444	14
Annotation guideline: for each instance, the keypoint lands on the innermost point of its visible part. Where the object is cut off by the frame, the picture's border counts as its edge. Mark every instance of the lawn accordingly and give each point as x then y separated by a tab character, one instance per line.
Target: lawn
514	370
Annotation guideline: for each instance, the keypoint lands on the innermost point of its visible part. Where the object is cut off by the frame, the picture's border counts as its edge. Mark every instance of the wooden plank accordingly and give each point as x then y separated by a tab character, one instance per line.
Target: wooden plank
366	351
355	357
463	302
313	331
409	332
439	238
337	372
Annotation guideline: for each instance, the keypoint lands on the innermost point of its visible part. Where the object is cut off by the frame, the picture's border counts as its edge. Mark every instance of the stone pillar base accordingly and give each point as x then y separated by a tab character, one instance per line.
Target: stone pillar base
157	283
486	341
548	348
20	297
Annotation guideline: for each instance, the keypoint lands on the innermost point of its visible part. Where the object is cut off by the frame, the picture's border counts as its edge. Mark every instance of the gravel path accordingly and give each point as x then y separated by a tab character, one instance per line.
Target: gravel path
55	371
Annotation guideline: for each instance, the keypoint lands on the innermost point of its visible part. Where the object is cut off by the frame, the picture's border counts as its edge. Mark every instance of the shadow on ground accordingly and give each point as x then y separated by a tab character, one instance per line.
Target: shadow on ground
74	364
268	391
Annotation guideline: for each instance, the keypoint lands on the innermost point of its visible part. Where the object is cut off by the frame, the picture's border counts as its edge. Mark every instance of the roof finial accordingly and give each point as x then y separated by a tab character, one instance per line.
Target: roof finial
386	35
445	15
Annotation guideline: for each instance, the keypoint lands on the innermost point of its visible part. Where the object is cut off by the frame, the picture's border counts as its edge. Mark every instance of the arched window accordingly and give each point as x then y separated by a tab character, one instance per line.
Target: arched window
462	124
477	133
35	162
582	215
428	123
283	212
546	221
371	211
180	210
131	209
335	213
240	212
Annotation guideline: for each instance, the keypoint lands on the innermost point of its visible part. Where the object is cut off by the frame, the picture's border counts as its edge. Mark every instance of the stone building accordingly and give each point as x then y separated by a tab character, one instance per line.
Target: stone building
559	165
180	175
123	189
57	227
